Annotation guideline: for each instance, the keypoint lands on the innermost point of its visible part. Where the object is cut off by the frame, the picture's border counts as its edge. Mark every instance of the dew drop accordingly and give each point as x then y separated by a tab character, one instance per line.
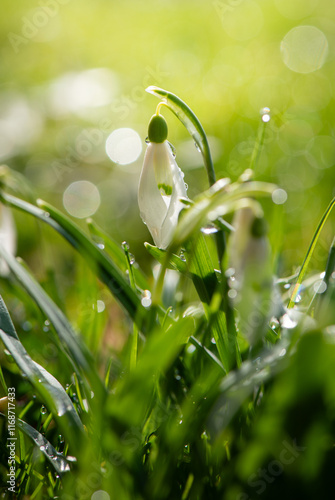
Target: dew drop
173	149
287	322
274	323
209	229
146	299
43	410
265	114
147	140
197	147
101	246
131	259
320	286
230	272
191	348
182	256
125	246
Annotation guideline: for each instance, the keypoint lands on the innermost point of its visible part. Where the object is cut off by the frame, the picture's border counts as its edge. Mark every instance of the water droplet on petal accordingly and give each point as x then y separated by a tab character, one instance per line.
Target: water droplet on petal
173	149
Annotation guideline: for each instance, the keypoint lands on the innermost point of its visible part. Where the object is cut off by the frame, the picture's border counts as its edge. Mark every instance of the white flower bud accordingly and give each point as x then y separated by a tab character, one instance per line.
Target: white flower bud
7	236
252	281
160	188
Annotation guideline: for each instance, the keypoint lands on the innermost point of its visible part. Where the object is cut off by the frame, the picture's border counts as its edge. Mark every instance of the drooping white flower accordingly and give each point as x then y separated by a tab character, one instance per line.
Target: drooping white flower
7	236
161	185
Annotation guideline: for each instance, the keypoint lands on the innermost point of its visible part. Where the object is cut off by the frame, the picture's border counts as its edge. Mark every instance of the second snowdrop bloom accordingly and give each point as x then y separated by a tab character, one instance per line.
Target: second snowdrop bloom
161	185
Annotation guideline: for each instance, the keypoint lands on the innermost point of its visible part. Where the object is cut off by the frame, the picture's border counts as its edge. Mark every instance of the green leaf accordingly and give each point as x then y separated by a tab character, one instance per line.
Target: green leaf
132	396
99	261
310	253
200	265
57	460
78	353
192	124
219	200
175	262
50	390
209	291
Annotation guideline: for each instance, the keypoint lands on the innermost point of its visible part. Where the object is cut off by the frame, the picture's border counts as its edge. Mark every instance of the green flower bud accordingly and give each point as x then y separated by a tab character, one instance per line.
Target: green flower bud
158	129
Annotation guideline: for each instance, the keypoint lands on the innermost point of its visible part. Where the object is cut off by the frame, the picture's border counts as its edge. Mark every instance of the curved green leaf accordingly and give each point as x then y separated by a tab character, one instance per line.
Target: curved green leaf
50	390
101	263
309	253
192	124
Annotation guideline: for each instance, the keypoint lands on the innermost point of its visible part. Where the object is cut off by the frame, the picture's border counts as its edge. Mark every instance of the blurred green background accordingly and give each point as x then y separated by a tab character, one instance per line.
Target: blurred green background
73	72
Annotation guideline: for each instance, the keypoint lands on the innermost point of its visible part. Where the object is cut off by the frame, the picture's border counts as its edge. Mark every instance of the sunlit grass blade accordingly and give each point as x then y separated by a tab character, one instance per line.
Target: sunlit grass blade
99	261
78	353
133	394
201	269
309	253
219	200
192	124
57	460
50	390
175	262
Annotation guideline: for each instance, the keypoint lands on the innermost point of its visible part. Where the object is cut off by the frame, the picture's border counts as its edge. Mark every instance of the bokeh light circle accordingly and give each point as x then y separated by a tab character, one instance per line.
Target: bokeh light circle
242	21
123	146
321	151
279	196
100	495
304	49
81	199
296	9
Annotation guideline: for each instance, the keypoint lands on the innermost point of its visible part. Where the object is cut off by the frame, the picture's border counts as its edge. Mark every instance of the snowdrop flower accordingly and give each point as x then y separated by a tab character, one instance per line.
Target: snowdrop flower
161	185
250	266
7	236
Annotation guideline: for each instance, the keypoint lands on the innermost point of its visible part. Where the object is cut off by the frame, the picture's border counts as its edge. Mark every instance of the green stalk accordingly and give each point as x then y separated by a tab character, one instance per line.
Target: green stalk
309	253
134	346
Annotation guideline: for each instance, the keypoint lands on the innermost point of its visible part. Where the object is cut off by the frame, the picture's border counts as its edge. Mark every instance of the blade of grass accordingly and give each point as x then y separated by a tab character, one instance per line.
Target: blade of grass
50	390
309	253
57	460
101	263
77	352
192	124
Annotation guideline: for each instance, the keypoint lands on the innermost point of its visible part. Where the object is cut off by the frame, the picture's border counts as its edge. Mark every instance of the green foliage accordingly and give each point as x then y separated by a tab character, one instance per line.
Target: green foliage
187	405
